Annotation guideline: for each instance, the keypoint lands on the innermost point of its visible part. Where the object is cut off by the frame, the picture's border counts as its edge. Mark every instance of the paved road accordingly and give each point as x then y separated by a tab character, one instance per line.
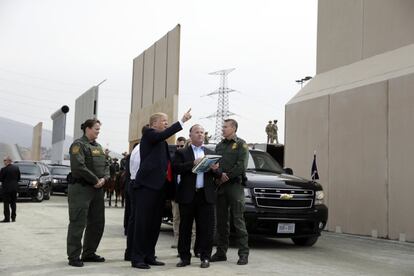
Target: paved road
35	245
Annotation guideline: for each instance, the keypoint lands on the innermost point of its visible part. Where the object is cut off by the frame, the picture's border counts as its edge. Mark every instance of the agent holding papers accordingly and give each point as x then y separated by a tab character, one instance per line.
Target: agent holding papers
196	195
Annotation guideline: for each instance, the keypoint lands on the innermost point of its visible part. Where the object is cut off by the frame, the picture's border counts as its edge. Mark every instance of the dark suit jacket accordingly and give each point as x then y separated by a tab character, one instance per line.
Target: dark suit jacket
182	164
9	176
154	157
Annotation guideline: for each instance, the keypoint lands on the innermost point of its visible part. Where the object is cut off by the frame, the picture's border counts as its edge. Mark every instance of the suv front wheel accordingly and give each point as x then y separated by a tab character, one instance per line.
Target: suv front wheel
309	241
39	195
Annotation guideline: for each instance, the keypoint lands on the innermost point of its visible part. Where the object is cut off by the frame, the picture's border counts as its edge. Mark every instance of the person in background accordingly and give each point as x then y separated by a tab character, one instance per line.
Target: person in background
9	177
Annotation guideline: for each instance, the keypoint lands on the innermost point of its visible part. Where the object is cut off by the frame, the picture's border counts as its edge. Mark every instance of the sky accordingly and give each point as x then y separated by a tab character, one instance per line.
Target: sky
52	51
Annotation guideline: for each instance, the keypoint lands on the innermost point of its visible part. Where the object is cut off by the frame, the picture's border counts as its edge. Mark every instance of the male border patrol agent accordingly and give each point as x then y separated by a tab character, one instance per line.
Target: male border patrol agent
85	196
230	194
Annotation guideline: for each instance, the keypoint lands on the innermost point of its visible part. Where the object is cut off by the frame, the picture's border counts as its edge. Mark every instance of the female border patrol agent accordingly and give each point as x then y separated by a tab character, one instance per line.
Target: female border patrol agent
85	195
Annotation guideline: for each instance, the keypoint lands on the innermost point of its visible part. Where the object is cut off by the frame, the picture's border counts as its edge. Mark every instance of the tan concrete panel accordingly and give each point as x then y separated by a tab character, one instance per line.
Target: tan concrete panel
387	25
160	77
36	141
401	152
168	106
306	130
173	61
358	160
137	79
148	86
339	33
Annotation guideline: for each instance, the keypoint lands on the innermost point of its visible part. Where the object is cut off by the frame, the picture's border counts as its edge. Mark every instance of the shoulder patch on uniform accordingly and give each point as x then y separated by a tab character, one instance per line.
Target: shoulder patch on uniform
234	146
75	149
245	146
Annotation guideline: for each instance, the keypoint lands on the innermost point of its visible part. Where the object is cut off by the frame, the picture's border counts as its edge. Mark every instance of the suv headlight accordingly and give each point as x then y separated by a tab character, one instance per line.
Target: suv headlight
319	196
247	196
33	184
54	181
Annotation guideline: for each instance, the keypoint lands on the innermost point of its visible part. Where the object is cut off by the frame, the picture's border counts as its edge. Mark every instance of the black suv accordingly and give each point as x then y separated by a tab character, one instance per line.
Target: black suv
281	205
35	180
59	178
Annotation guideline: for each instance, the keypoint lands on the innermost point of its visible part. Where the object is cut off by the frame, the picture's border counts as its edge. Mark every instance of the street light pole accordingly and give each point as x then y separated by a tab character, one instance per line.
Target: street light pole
301	81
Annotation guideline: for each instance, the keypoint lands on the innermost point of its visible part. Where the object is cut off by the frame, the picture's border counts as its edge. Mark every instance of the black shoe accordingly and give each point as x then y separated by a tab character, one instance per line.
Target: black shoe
155	262
218	258
94	259
140	265
13	220
243	260
183	263
127	258
5	220
76	262
205	264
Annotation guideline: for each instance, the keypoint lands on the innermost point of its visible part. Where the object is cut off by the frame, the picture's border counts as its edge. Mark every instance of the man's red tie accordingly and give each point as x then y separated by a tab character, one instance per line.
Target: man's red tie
169	172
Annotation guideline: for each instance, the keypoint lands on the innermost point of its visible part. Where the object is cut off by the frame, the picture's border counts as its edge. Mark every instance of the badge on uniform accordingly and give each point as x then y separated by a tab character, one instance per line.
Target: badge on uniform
96	152
234	146
75	149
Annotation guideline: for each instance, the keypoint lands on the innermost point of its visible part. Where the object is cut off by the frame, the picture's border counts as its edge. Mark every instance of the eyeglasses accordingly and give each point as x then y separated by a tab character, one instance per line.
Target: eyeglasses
180	146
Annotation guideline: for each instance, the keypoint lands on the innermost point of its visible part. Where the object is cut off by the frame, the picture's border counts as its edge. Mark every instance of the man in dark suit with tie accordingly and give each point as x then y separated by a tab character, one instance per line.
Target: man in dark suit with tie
149	188
9	176
196	197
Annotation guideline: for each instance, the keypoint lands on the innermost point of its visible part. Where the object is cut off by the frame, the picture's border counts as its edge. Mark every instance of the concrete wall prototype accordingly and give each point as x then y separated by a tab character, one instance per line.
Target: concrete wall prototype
58	134
36	141
86	107
155	83
357	113
352	30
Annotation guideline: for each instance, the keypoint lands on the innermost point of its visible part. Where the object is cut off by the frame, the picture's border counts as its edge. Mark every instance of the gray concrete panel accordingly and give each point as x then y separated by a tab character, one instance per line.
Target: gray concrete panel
160	77
340	34
401	152
358	160
148	86
387	25
86	107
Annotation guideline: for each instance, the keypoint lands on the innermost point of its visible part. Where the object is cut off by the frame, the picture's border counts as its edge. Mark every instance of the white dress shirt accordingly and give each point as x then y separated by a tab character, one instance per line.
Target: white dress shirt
134	161
199	153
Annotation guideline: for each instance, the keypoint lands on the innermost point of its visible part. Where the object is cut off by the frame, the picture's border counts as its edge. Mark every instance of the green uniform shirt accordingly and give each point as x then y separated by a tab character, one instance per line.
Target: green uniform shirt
235	155
87	161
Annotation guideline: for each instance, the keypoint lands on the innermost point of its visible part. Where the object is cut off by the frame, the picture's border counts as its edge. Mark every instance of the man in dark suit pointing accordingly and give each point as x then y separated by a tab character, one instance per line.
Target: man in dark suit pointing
149	188
196	197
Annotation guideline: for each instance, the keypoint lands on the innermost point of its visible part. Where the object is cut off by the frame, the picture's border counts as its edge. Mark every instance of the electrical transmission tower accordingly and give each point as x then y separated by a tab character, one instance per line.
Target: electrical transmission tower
222	112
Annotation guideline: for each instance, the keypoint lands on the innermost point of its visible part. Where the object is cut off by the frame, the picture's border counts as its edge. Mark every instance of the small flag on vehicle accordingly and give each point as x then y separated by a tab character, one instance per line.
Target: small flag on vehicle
314	169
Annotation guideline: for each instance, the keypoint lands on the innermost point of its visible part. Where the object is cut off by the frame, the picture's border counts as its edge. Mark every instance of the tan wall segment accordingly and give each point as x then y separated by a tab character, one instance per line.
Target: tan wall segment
307	131
401	153
358	160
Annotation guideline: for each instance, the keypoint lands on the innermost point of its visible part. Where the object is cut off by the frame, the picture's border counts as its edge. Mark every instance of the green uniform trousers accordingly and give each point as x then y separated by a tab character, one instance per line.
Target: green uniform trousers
86	210
230	201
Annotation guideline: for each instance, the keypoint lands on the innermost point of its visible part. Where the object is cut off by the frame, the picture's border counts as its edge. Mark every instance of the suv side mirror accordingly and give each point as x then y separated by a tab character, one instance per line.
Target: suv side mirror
288	171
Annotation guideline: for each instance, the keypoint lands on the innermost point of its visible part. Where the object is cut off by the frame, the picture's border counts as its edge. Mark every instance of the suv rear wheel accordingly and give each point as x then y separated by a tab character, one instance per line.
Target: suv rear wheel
39	195
309	241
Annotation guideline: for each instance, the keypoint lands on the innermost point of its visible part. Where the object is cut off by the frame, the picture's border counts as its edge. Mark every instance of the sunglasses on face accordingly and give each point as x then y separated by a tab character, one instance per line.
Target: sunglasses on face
180	146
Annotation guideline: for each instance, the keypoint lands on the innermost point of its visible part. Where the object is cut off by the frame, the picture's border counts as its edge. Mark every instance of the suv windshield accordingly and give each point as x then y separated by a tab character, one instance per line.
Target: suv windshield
262	161
59	171
29	169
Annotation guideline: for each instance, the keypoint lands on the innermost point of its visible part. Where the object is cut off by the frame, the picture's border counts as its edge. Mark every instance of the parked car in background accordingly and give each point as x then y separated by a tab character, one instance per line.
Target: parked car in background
59	175
35	181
